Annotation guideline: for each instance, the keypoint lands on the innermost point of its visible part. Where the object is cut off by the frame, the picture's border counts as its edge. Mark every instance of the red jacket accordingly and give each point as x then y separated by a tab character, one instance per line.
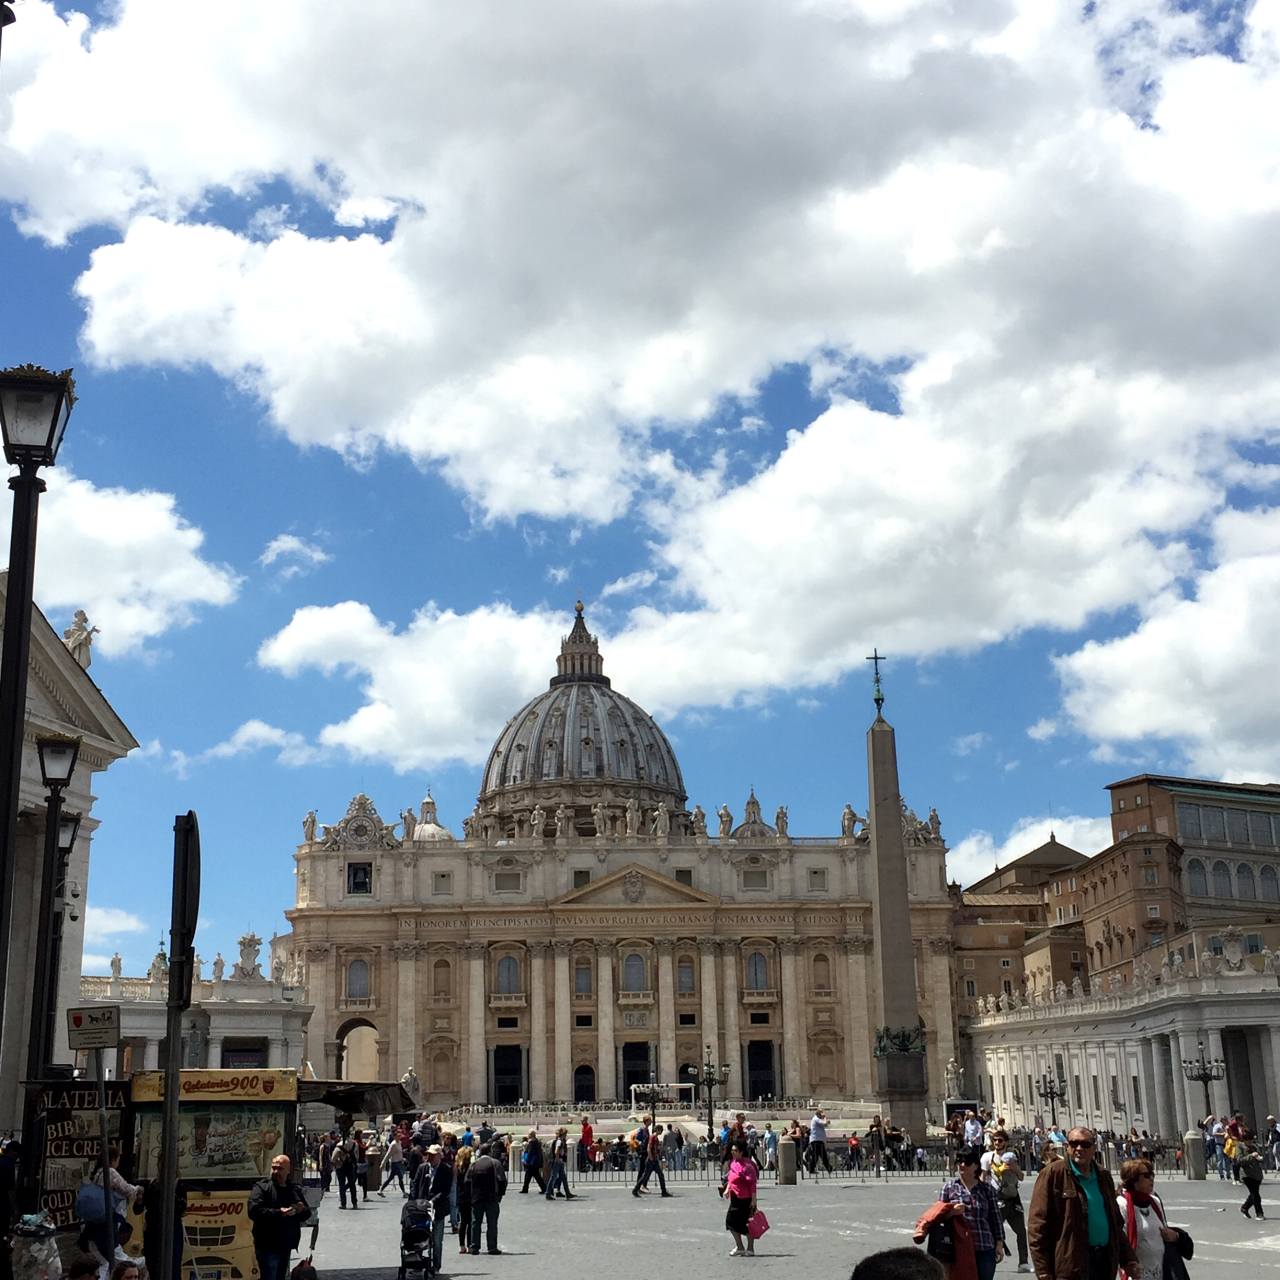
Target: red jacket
965	1266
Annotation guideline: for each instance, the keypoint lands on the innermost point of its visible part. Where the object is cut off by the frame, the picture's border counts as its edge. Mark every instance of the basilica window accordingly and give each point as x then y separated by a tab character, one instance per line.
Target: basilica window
633	972
757	972
1222	880
508	976
1244	881
684	976
508	881
358	980
821	973
755	878
684	875
582	977
817	879
442	980
442	883
359	877
1197	881
1270	885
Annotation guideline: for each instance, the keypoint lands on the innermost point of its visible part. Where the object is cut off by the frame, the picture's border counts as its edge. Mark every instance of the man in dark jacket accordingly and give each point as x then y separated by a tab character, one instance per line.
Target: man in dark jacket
1074	1229
434	1182
488	1182
277	1209
532	1161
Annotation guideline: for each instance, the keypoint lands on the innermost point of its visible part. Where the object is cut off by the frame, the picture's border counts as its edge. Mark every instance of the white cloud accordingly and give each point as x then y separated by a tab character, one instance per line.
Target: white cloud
633	582
978	853
557	573
127	557
95	964
299	555
968	743
102	924
1043	729
1198	671
291	748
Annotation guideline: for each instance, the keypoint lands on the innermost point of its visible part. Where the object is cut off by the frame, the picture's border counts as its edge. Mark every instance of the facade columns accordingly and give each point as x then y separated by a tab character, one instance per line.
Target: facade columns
1217	1088
214	1058
606	1053
1157	1102
1186	1049
538	1022
939	993
857	1045
793	1028
666	1013
564	1020
476	1088
323	999
733	1087
406	1031
710	991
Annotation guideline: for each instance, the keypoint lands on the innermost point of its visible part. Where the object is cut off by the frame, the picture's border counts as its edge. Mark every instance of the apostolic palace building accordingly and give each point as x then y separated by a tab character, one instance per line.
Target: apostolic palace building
591	930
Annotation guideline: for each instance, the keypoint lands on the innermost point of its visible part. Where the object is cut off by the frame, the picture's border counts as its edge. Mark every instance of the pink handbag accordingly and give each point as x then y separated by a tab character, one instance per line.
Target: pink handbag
757	1224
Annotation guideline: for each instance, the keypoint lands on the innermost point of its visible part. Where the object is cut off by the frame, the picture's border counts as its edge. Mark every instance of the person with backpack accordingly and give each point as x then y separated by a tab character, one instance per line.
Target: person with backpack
559	1167
531	1162
1249	1163
344	1159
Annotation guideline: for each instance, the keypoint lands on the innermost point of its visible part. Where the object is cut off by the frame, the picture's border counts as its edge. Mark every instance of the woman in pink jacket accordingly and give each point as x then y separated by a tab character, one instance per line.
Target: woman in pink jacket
741	1190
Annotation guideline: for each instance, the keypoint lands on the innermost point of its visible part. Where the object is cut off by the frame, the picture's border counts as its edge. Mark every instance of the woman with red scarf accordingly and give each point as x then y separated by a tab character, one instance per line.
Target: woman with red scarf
1144	1220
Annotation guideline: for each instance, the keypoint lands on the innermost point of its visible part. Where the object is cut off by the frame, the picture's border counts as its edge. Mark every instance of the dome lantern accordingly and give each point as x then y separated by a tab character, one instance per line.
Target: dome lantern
579	655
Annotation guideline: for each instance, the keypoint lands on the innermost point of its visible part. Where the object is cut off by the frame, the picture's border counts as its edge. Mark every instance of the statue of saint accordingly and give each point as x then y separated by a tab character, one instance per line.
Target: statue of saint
661	824
309	826
117	965
537	822
726	821
197	969
219	967
633	817
955	1078
277	969
78	637
848	821
699	821
1077	987
600	815
935	824
410	820
780	820
564	822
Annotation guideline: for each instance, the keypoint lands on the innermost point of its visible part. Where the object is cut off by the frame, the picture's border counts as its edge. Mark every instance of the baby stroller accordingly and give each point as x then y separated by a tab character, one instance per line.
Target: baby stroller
415	1239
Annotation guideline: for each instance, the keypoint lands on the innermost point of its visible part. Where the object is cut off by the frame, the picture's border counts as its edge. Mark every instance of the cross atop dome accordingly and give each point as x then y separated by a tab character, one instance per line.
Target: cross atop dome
579	658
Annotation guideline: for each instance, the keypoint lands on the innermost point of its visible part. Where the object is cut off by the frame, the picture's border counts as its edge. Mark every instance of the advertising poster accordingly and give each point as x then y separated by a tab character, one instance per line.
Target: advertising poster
238	1086
219	1236
71	1151
228	1141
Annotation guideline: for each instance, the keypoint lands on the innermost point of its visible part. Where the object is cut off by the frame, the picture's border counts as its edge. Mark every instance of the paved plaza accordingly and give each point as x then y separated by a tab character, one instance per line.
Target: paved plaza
822	1228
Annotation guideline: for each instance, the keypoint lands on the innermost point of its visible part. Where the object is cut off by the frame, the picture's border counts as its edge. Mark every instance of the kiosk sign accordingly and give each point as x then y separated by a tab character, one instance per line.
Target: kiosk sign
94	1027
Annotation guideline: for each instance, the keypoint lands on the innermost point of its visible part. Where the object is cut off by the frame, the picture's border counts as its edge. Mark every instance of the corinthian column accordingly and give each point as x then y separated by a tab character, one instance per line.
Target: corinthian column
606	1055
476	1089
406	1031
858	1044
710	991
666	1012
732	1042
793	1028
564	1020
538	1022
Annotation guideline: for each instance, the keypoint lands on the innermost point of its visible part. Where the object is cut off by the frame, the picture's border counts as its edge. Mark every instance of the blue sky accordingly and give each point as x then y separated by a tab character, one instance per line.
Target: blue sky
772	332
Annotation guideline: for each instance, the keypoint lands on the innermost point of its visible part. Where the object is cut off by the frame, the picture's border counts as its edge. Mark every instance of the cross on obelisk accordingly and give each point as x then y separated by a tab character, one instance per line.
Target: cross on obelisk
877	657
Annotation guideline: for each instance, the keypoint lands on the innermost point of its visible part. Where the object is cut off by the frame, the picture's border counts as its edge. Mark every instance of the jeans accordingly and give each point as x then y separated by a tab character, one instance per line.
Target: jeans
558	1179
453	1204
438	1220
273	1264
986	1260
396	1172
326	1180
347	1183
1253	1200
488	1214
1015	1220
651	1167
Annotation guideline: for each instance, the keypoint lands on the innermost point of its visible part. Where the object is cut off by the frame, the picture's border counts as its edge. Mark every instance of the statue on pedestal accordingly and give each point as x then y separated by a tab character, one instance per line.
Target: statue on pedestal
219	967
117	965
537	822
780	820
309	826
726	821
848	821
78	637
955	1079
633	817
699	821
564	822
661	824
600	815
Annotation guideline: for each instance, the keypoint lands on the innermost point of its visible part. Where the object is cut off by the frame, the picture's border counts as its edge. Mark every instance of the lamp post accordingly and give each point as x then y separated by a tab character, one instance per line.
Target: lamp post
1204	1070
707	1077
1052	1091
34	407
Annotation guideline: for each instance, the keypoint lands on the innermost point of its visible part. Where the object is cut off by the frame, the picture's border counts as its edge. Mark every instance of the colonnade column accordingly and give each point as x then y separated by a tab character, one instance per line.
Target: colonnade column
564	1020
1184	1046
1217	1088
538	1022
606	1054
1155	1102
406	954
666	1013
858	1044
710	993
732	1042
1167	1054
793	1029
320	997
476	1089
214	1058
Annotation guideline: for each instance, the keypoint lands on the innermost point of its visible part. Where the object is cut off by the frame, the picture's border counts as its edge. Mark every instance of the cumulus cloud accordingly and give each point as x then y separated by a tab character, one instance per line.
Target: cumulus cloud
967	743
1043	729
104	924
1199	670
295	555
291	748
94	963
979	852
633	582
127	557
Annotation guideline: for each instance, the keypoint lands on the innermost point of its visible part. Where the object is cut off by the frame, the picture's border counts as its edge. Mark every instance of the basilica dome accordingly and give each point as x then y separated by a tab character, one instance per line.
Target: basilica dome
581	741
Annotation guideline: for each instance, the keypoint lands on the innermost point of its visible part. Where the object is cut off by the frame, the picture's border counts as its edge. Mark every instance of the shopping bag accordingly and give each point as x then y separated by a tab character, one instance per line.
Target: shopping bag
757	1224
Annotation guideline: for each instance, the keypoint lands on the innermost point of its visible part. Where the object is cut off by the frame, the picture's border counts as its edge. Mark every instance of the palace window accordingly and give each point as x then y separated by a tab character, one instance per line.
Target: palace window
582	1020
758	1018
1244	881
359	877
687	1019
757	972
1270	885
755	878
508	976
633	972
1222	880
1197	881
358	980
1150	875
970	988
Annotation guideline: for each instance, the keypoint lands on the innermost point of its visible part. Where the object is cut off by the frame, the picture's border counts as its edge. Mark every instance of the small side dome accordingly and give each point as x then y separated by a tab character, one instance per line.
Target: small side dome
753	826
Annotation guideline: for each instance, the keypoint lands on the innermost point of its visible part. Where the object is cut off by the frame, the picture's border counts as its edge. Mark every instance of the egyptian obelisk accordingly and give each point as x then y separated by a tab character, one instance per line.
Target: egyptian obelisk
899	1040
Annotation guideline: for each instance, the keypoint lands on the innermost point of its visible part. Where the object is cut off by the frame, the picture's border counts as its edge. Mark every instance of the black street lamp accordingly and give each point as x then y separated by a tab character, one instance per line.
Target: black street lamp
34	407
65	893
707	1077
1204	1069
1052	1091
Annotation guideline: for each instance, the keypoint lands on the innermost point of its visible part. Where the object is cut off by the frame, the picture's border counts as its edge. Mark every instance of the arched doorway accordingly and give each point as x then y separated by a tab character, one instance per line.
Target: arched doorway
357	1057
508	1073
762	1081
584	1084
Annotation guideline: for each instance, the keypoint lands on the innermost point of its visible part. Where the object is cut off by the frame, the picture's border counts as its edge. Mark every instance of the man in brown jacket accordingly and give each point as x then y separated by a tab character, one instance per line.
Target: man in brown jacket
1075	1230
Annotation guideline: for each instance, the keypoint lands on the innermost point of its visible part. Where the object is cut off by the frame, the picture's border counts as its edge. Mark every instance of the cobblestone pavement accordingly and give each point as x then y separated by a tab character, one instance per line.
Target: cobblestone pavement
823	1228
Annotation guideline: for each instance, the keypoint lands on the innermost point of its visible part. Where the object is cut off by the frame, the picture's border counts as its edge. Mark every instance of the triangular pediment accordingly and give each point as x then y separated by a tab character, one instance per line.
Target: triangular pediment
636	885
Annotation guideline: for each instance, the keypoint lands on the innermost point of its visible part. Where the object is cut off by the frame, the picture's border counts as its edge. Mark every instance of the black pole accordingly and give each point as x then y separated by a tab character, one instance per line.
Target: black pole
55	949
27	488
44	981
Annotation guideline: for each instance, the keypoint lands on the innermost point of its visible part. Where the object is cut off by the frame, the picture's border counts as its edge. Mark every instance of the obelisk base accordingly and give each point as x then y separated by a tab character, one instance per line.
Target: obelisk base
901	1091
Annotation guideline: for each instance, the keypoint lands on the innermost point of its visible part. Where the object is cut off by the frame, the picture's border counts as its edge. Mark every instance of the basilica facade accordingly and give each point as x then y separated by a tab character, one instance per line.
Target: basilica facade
590	931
